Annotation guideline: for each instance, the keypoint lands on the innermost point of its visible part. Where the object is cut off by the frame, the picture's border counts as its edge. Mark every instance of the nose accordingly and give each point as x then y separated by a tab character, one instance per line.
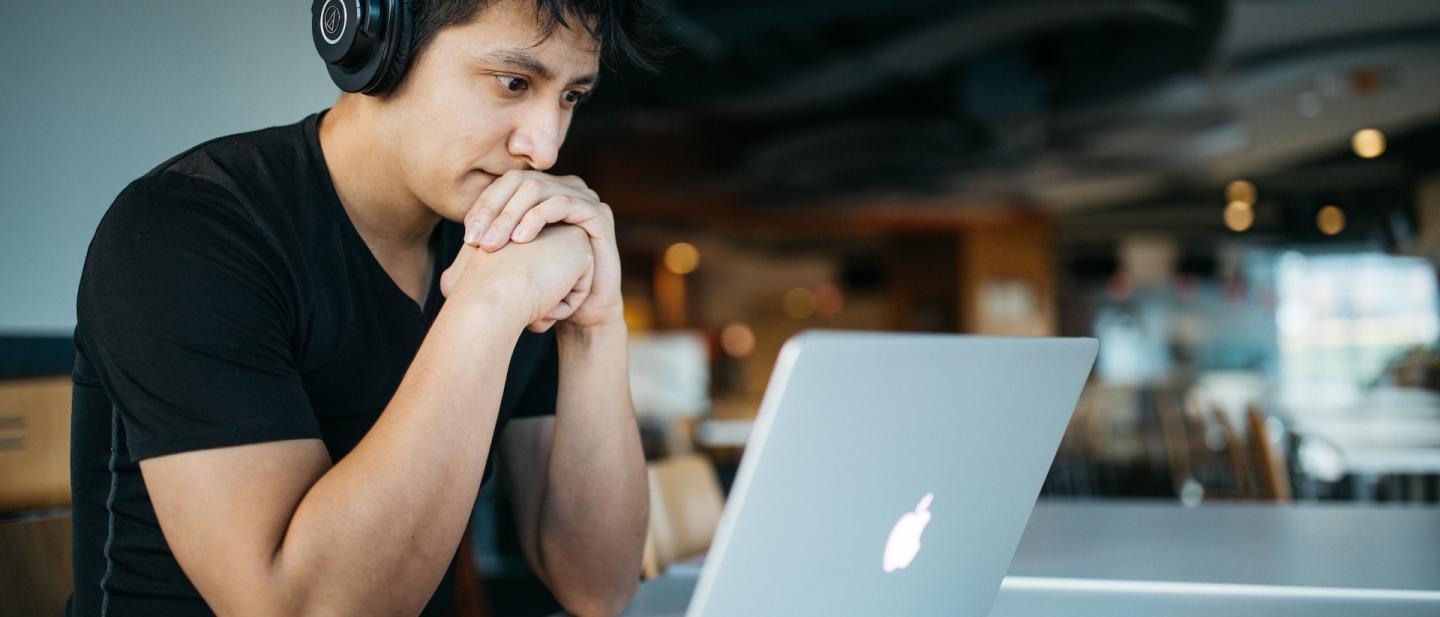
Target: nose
537	139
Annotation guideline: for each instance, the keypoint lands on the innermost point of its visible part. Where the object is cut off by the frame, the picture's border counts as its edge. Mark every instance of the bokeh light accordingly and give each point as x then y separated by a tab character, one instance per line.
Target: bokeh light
1368	143
1239	216
737	340
799	303
1242	191
682	258
829	300
1330	220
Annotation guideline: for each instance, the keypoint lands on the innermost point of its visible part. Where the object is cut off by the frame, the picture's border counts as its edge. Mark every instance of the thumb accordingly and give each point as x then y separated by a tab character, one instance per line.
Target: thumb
456	271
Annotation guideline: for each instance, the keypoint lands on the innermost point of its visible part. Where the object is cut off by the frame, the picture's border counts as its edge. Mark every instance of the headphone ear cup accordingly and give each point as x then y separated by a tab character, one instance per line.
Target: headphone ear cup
399	60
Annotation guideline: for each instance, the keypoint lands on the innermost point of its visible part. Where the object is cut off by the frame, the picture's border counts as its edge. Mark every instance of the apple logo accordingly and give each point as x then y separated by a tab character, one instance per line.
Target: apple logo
904	542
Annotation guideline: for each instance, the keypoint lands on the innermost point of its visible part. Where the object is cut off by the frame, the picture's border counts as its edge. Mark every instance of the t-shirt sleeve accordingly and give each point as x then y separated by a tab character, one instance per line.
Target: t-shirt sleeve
183	306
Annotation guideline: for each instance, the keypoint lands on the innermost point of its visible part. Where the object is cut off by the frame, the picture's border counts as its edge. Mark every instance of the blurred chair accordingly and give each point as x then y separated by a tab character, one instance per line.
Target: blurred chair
1175	429
685	505
1272	472
35	565
1238	455
34	444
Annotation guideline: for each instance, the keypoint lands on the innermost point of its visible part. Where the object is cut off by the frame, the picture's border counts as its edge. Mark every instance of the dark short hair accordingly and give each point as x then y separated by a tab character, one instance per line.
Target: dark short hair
624	29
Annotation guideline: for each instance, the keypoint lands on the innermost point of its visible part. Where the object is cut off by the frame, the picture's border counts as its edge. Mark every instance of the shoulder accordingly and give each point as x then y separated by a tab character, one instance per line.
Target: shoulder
265	173
232	188
170	211
177	239
241	161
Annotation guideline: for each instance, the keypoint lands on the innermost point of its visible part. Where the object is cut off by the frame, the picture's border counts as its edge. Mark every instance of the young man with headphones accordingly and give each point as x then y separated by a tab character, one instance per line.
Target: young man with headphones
301	350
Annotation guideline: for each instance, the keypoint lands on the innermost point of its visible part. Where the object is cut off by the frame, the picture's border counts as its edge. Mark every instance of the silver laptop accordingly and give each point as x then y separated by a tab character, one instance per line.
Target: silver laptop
887	474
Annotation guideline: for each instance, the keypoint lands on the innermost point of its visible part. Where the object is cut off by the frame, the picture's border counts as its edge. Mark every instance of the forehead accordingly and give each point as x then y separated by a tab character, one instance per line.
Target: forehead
513	25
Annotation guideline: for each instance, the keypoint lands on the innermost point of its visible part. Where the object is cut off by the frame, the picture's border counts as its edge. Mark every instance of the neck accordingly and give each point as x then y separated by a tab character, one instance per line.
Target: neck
385	212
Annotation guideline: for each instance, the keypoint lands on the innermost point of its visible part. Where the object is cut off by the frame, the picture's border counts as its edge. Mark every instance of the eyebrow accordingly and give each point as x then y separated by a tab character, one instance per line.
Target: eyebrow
522	61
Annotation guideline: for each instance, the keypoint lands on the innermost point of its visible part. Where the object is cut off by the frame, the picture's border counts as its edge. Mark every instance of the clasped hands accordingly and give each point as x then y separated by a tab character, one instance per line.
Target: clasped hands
555	273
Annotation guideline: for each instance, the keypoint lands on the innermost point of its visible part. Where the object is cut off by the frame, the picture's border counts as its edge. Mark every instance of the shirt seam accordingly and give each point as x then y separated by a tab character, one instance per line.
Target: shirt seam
110	511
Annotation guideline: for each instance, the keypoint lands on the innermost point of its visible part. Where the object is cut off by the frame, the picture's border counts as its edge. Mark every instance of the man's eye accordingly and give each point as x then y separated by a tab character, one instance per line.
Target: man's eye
576	97
512	83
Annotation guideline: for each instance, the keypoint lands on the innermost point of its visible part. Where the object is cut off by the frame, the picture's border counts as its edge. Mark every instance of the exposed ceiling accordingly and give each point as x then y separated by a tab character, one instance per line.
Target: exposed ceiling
1070	106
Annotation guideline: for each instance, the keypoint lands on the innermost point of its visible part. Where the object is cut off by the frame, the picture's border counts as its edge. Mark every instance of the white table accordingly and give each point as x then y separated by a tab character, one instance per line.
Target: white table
1127	558
1390	431
724	433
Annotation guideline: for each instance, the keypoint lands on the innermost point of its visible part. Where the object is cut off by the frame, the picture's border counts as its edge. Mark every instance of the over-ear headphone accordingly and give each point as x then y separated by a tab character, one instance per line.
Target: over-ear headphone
365	43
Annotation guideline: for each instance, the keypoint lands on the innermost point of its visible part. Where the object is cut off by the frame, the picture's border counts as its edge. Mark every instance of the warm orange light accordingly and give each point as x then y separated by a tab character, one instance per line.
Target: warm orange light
799	303
1330	220
1242	191
682	258
1368	143
1239	216
828	300
737	340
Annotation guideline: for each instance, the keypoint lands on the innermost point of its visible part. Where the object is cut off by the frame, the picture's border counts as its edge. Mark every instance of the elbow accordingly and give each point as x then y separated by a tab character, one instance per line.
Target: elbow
606	602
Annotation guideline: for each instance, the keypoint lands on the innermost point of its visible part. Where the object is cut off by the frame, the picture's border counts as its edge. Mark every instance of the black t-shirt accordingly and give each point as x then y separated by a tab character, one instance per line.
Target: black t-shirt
227	299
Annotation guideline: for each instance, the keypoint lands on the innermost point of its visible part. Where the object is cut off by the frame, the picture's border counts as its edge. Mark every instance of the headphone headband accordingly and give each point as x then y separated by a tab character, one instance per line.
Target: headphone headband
363	42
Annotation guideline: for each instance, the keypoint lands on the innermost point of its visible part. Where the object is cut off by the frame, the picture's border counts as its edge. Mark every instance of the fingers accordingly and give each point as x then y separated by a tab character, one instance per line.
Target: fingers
527	195
569	304
558	209
574	299
491	201
578	184
498	214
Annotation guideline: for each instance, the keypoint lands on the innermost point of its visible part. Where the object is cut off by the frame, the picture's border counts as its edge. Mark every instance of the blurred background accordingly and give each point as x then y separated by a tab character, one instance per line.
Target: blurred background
1239	198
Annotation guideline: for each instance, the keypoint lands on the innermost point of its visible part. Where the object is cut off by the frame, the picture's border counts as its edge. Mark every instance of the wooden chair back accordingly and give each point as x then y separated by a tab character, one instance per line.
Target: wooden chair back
35	565
685	505
1271	471
1238	455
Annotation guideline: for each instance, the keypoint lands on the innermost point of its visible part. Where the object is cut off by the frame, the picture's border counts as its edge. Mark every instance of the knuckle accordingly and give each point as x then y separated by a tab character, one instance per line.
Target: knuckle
491	200
479	213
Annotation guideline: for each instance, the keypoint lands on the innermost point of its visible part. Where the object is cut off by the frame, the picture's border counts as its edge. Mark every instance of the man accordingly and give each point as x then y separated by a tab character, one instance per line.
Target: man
283	405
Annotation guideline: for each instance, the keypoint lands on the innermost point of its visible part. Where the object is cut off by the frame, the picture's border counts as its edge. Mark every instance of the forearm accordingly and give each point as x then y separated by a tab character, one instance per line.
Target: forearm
593	518
375	534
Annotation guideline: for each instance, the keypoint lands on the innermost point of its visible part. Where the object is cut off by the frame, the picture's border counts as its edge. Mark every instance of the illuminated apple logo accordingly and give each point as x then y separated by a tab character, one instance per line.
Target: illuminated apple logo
904	542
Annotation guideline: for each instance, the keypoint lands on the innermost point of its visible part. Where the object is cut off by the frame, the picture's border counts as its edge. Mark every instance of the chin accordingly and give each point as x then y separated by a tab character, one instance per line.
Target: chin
456	205
454	213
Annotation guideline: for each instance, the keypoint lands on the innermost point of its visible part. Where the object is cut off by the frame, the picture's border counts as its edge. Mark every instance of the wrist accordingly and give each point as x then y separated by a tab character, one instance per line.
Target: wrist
586	335
488	304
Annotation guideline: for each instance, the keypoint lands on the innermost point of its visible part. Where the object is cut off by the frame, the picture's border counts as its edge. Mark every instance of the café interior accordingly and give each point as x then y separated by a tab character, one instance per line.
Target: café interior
1240	199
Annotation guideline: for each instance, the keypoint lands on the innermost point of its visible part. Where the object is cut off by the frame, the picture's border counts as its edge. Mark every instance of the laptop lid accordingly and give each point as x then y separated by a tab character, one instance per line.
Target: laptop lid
890	474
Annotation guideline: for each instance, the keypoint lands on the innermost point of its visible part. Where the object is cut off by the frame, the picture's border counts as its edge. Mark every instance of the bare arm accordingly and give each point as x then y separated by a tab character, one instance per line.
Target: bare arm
578	480
275	529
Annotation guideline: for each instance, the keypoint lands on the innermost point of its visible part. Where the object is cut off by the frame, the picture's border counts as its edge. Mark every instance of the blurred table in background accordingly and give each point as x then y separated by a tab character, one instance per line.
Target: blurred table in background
1392	434
714	433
